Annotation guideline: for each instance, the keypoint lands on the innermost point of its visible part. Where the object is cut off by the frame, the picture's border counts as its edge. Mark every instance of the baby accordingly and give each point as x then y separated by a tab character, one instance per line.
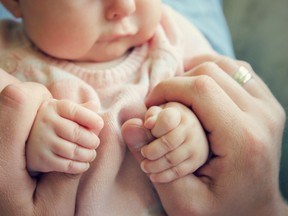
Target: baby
99	59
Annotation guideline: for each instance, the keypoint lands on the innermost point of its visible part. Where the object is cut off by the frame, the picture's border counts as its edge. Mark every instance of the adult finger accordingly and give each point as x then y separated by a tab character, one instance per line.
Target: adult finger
17	112
6	79
240	96
230	66
207	99
135	136
20	194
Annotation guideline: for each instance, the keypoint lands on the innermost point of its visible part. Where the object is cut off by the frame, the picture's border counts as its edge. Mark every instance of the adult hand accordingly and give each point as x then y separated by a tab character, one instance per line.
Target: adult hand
6	79
244	127
51	194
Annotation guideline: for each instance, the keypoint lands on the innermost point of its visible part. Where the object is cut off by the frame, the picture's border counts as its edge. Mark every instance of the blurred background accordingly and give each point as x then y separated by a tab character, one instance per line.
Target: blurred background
259	31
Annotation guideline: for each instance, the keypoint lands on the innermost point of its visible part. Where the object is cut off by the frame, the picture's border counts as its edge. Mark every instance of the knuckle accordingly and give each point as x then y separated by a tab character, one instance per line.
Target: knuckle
177	171
68	106
169	118
276	125
48	120
75	151
208	65
55	147
166	143
204	84
258	144
206	68
72	109
14	95
170	159
281	113
225	61
70	166
76	133
275	119
43	90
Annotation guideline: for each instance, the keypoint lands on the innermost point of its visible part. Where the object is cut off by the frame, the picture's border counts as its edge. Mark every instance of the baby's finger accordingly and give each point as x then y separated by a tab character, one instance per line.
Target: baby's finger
83	116
151	116
167	120
169	160
173	173
164	144
75	133
196	152
72	151
52	162
70	166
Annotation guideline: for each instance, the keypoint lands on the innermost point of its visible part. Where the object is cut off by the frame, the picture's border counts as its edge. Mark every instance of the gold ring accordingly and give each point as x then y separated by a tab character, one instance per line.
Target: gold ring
242	75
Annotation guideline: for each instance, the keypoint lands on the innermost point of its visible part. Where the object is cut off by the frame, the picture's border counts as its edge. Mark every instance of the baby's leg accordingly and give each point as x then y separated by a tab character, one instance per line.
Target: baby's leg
180	147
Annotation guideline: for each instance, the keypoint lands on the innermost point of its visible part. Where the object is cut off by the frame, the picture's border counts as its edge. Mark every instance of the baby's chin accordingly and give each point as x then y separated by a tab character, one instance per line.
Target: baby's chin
104	57
106	54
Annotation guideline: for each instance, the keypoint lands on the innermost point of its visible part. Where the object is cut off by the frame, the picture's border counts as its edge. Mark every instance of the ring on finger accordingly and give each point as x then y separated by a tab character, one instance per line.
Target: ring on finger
242	75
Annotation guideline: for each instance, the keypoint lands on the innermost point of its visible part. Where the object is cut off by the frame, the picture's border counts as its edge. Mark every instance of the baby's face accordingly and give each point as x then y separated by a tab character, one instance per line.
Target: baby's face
89	30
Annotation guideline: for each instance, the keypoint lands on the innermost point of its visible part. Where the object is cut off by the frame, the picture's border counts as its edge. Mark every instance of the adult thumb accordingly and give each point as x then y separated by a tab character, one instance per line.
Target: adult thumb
51	194
180	197
135	136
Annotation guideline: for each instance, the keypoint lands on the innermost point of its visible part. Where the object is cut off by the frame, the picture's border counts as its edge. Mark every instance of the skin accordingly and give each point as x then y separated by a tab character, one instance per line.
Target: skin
21	194
77	30
120	28
112	26
175	152
222	187
63	137
244	127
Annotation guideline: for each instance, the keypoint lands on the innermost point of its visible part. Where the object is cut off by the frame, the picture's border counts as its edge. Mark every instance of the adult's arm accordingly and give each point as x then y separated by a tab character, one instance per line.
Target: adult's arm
244	127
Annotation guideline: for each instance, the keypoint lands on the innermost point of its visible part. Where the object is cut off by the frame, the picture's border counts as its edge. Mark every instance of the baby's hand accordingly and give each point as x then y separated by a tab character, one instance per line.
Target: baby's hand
180	147
64	137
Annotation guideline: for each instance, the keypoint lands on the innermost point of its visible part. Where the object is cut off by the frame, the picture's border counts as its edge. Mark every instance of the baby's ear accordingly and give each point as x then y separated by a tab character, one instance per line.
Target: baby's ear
13	6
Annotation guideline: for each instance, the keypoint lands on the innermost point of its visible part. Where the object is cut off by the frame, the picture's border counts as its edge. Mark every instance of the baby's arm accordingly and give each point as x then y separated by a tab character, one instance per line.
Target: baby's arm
63	138
180	147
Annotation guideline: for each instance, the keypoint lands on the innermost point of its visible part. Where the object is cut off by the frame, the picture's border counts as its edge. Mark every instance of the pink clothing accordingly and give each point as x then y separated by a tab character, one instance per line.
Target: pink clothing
114	184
